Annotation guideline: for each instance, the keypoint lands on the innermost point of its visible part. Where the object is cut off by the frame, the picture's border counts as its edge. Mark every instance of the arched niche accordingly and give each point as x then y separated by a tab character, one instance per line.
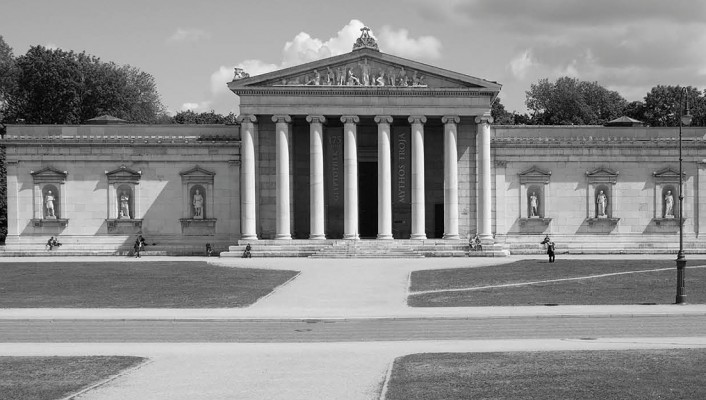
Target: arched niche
124	214
193	223
199	201
603	180
49	197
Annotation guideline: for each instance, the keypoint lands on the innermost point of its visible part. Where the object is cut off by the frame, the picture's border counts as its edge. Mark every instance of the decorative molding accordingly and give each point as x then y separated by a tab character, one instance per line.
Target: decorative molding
602	175
383	119
124	226
535	175
450	119
281	118
417	119
350	119
124	174
316	119
50	222
49	175
246	119
667	175
363	91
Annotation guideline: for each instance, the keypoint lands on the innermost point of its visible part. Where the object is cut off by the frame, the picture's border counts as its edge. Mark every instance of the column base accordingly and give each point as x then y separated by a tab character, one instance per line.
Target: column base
451	237
248	237
283	237
317	237
418	236
352	236
385	236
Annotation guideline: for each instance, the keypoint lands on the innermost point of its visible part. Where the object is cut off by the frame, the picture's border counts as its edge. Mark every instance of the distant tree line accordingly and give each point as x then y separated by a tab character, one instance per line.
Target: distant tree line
570	101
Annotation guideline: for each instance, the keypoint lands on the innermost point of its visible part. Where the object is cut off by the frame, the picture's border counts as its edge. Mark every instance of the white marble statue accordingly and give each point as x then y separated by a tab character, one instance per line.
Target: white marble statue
533	203
49	205
124	210
365	72
602	202
198	205
669	205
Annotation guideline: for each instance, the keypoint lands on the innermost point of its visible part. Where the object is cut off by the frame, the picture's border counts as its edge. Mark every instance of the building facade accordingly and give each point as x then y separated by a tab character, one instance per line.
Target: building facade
361	147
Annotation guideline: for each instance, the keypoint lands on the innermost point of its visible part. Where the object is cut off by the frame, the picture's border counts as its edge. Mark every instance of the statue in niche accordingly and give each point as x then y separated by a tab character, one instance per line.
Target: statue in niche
198	205
533	206
669	205
602	202
365	72
49	205
352	79
124	211
329	76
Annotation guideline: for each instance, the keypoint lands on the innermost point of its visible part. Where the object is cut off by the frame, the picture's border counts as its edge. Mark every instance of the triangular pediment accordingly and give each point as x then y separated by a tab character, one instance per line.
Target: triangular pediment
49	174
364	68
667	175
602	175
535	175
197	171
123	174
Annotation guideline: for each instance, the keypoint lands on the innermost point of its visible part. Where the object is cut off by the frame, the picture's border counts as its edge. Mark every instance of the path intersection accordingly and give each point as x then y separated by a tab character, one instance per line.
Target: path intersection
368	294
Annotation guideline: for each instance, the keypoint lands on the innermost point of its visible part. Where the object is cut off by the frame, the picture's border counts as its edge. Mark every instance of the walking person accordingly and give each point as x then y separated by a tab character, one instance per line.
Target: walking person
139	246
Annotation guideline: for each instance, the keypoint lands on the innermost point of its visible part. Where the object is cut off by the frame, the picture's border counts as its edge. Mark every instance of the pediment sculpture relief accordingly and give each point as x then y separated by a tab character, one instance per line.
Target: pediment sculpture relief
361	73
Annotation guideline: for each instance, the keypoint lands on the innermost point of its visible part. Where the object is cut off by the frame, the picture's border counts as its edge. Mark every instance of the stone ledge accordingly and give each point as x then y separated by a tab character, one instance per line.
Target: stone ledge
55	222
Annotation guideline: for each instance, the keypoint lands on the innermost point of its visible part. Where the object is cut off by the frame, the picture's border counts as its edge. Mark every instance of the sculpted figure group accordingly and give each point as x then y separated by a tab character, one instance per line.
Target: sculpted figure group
360	74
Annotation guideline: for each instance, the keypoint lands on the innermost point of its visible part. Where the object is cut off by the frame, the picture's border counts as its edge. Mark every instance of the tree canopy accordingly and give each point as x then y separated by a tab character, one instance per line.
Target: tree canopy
190	117
569	101
53	86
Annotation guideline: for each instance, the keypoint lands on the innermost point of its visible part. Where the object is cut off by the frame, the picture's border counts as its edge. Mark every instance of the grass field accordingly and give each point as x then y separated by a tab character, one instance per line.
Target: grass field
132	285
553	375
579	283
49	378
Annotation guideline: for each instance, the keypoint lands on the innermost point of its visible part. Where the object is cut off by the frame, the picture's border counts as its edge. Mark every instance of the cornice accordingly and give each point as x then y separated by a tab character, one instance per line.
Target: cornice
363	91
588	141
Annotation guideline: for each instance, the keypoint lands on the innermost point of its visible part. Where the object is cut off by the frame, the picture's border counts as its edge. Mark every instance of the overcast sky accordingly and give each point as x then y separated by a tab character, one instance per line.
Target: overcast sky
191	47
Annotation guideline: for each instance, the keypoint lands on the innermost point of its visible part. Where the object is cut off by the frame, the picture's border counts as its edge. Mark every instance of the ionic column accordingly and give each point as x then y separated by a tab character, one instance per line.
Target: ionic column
316	176
418	211
384	177
485	230
282	224
248	218
350	173
450	177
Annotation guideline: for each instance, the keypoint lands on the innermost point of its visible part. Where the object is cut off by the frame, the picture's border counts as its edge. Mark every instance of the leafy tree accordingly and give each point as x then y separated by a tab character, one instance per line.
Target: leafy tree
190	117
500	115
635	110
7	74
569	101
662	105
60	87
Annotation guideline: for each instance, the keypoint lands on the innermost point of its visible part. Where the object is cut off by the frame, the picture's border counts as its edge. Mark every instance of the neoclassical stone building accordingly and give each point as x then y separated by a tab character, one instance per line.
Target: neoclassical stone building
362	153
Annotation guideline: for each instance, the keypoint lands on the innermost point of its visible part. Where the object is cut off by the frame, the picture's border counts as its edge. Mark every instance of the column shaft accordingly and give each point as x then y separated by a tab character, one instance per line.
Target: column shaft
384	177
450	177
350	173
485	229
282	212
248	218
316	176
418	200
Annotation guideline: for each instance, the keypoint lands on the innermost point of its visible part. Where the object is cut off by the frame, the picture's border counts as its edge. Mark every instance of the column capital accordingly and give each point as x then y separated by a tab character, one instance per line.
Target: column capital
383	119
484	119
417	119
350	119
316	119
246	118
450	119
281	118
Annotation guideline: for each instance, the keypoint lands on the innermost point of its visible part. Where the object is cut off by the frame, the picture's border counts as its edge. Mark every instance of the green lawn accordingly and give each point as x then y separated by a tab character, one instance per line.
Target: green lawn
638	288
134	285
554	375
40	378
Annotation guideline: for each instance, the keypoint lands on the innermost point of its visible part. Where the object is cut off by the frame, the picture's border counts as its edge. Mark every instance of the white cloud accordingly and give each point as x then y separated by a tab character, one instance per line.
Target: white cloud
188	36
399	43
520	65
51	46
203	106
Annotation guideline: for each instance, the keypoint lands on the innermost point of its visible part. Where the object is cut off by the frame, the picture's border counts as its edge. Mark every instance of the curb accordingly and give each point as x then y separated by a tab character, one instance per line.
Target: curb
85	390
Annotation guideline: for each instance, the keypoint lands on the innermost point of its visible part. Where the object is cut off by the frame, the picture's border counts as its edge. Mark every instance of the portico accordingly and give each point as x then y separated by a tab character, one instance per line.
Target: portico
365	145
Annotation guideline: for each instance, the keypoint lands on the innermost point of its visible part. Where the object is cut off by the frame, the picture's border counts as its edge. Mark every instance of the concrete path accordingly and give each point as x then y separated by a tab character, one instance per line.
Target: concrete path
324	289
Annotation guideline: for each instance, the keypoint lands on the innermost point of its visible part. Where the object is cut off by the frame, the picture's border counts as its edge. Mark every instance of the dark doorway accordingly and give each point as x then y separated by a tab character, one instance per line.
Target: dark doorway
438	220
367	199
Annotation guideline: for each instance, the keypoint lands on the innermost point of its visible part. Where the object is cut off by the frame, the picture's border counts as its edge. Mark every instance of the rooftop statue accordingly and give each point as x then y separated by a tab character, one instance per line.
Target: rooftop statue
240	73
365	41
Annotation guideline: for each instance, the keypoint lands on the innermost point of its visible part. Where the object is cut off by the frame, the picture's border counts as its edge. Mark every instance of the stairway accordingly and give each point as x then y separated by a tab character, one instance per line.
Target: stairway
366	249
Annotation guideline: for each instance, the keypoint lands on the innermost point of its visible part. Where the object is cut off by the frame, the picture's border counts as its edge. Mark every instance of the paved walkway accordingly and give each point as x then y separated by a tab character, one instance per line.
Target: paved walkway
324	289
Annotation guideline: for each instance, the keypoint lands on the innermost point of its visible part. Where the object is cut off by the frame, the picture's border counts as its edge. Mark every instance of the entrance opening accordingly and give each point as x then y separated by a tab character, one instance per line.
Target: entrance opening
438	220
367	199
